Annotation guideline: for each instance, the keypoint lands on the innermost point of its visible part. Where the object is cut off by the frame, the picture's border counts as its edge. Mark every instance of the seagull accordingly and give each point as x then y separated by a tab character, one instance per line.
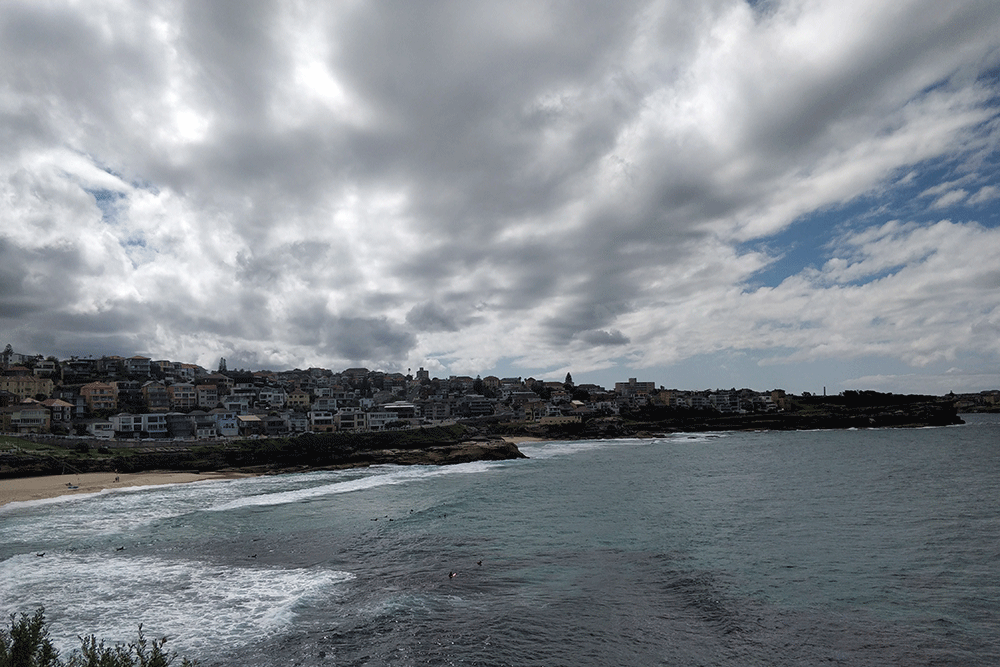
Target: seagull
120	549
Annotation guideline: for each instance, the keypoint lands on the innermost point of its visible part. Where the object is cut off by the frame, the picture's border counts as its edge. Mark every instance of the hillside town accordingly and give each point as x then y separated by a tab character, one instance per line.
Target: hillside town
128	398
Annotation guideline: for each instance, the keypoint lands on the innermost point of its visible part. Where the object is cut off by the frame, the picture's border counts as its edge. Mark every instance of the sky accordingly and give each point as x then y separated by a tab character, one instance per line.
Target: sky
799	194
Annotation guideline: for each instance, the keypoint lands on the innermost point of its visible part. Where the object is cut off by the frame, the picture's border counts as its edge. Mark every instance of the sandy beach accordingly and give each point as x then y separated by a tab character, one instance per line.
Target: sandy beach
51	486
37	488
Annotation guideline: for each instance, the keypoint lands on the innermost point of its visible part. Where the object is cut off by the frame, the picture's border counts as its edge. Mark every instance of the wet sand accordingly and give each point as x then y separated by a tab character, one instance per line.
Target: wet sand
51	486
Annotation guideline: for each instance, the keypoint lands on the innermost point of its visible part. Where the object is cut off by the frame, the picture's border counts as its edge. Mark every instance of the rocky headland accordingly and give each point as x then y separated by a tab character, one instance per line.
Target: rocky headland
425	446
484	440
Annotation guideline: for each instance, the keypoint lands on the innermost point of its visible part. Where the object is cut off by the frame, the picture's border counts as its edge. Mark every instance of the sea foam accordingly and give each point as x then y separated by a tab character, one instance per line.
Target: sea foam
375	477
197	605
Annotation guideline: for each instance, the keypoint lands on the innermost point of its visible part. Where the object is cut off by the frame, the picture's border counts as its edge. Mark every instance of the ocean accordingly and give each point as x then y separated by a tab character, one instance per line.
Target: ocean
861	547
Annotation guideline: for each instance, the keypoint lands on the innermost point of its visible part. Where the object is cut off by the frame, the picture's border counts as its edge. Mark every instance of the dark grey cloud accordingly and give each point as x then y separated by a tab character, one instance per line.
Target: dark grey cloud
430	316
324	184
74	82
38	279
239	57
600	337
353	339
457	85
366	338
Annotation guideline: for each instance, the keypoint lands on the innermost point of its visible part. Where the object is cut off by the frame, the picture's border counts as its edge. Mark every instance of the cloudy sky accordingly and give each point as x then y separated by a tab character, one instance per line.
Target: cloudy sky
712	193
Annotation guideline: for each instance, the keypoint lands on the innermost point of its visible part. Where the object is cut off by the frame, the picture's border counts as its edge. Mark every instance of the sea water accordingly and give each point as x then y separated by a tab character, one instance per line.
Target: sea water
862	547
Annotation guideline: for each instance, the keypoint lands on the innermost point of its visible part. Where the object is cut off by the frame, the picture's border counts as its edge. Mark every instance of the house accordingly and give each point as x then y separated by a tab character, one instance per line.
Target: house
71	395
102	429
226	422
435	409
633	388
183	396
461	383
275	424
249	425
531	411
351	419
146	425
129	393
238	404
207	395
112	367
325	403
25	385
377	419
138	366
99	396
156	396
78	370
476	405
206	424
298	400
272	397
402	409
26	418
181	425
46	368
322	421
7	398
155	425
297	421
60	411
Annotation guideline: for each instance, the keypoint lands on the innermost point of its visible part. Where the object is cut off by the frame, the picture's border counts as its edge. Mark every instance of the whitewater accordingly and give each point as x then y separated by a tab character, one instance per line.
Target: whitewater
867	547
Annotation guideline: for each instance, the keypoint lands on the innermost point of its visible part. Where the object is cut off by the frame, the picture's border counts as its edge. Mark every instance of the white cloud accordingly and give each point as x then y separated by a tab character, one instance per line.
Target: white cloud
298	184
949	198
985	194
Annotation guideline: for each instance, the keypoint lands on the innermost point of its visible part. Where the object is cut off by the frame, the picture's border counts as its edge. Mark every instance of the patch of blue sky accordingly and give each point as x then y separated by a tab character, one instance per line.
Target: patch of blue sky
925	194
110	203
804	244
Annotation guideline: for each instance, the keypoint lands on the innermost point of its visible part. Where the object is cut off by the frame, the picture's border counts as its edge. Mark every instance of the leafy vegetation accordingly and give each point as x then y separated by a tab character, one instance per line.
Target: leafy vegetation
27	644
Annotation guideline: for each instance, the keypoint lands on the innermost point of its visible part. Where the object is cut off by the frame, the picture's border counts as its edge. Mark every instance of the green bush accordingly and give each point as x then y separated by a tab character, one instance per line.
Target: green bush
27	644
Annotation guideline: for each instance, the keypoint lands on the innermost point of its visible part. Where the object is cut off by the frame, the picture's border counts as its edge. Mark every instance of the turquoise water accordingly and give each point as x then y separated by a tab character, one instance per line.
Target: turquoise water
875	547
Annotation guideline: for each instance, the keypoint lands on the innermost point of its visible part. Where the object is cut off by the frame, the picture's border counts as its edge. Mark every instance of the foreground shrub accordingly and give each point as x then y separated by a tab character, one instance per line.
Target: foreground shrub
27	644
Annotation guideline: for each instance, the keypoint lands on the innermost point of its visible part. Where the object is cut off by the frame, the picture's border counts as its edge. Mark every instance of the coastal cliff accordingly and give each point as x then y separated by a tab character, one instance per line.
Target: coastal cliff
459	443
430	446
868	410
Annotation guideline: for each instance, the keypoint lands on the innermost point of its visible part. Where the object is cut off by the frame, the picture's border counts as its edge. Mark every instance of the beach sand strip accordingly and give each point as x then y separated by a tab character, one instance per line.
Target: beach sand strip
50	486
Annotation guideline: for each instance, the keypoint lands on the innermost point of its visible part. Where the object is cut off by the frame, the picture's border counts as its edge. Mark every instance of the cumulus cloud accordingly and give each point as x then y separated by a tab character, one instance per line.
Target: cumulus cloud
460	186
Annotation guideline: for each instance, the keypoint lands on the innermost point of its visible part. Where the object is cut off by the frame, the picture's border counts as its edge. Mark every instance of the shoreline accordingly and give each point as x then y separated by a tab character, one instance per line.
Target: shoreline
26	489
44	487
